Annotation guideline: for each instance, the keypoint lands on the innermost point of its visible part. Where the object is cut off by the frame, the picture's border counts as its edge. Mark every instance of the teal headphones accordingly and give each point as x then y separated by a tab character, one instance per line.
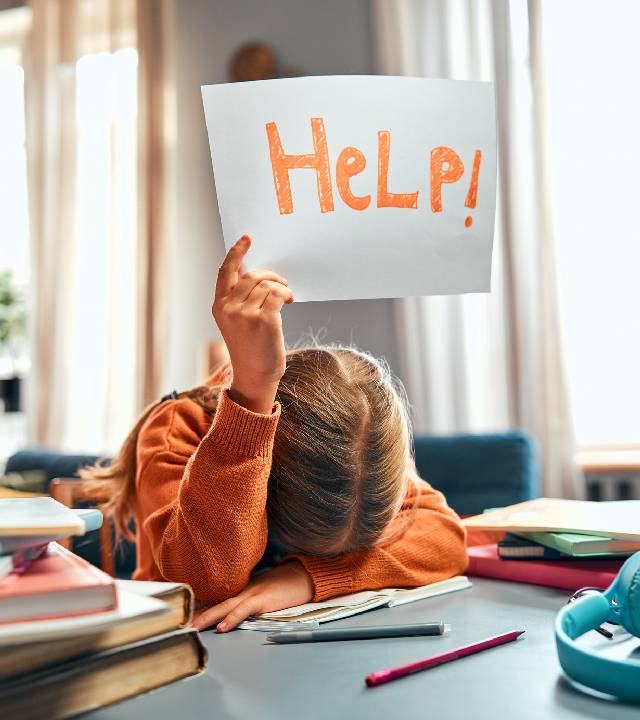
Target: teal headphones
620	604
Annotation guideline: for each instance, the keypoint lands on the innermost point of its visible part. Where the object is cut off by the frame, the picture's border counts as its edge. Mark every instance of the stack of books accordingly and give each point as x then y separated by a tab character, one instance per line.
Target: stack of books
562	546
71	637
562	543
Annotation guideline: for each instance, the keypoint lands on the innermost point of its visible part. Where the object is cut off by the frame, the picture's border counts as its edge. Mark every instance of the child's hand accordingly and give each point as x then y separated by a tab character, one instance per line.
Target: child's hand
283	587
247	310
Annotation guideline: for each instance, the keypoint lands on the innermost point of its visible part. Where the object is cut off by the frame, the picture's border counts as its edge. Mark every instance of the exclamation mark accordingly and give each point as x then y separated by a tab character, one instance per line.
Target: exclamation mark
472	194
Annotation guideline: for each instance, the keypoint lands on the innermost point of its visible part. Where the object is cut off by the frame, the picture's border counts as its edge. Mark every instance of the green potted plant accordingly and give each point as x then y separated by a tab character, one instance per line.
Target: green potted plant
12	333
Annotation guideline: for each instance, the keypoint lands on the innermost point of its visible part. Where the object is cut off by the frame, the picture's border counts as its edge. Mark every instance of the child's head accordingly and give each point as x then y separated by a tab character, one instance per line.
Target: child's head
341	457
341	454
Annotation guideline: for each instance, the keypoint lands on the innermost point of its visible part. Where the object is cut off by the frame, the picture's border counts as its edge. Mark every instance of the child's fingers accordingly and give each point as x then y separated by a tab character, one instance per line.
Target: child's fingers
249	280
261	291
250	606
230	268
276	298
203	619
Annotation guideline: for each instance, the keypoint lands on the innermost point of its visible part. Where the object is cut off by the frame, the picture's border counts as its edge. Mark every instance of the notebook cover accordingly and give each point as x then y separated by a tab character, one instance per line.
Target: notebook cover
38	516
617	519
484	561
56	575
403	596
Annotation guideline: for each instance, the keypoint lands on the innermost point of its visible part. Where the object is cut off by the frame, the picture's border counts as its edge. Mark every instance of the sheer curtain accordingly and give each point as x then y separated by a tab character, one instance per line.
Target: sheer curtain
487	362
95	147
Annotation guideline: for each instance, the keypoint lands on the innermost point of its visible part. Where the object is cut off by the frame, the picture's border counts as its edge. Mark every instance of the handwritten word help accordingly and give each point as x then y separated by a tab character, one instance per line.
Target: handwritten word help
445	167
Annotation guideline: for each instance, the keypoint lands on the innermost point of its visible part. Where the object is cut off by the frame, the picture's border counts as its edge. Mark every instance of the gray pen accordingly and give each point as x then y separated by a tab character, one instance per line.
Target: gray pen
359	633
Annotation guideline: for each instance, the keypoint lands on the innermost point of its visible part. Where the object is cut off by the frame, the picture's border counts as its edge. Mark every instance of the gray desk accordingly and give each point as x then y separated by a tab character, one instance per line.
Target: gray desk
248	679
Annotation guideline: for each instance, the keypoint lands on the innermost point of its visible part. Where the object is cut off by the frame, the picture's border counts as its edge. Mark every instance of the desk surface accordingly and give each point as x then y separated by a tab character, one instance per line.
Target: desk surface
247	678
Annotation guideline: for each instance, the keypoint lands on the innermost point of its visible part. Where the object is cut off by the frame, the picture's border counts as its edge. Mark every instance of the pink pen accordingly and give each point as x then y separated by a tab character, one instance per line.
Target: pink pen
383	676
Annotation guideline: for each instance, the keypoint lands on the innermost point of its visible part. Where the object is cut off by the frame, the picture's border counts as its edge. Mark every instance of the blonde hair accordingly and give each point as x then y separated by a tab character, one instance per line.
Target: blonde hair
341	461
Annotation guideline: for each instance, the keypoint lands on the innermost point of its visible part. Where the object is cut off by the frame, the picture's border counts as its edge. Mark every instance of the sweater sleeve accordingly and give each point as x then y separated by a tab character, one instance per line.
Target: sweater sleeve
431	548
204	514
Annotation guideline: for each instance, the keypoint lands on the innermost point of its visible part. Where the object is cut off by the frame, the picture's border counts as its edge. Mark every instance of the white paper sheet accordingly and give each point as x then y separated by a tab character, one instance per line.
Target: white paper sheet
316	236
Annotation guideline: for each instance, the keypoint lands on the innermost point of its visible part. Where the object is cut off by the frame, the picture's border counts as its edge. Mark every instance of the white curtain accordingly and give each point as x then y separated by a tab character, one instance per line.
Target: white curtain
94	93
478	363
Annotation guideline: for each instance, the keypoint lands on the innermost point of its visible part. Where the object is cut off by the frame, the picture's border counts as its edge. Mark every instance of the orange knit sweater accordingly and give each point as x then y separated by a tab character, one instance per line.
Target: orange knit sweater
201	491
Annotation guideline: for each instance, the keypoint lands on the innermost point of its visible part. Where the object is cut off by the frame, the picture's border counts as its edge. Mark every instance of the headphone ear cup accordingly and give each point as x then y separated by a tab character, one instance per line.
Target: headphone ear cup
631	614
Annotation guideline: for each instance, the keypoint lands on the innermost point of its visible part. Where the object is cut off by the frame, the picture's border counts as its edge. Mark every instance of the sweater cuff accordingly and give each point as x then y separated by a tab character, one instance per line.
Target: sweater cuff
330	576
242	431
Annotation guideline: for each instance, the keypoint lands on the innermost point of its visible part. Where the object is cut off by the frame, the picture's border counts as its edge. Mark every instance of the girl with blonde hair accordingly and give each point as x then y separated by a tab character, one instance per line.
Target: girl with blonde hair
307	452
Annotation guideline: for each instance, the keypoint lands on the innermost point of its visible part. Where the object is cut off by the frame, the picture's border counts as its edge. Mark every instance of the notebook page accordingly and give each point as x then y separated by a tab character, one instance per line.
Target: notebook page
343	601
311	618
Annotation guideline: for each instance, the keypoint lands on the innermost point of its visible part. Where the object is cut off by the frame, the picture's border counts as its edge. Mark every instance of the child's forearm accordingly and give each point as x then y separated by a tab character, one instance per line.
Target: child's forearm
258	397
211	529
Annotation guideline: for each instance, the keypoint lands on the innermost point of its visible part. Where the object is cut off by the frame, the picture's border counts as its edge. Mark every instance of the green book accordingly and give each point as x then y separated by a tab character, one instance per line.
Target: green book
577	545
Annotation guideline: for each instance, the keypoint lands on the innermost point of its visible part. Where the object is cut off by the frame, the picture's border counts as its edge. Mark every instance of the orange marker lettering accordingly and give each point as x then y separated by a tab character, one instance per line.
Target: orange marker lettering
282	163
472	194
351	162
386	198
440	174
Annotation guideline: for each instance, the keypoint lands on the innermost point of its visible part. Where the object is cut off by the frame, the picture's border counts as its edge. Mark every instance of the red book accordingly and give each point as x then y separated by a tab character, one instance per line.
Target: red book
59	584
567	574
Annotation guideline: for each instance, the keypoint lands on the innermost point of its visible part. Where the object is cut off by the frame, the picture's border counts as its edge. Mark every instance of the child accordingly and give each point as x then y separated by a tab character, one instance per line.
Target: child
310	449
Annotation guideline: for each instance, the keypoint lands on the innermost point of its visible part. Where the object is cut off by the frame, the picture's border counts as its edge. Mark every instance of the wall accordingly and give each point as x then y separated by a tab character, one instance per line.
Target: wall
331	37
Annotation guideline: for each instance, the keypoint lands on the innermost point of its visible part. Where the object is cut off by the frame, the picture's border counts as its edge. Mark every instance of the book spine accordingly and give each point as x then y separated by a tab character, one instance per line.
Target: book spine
563	545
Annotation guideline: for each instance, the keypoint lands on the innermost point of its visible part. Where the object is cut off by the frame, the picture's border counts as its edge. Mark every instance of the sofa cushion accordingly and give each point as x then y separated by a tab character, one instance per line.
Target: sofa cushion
476	472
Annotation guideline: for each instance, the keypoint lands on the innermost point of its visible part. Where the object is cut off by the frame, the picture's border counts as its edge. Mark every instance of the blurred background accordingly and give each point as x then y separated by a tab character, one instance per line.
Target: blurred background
111	239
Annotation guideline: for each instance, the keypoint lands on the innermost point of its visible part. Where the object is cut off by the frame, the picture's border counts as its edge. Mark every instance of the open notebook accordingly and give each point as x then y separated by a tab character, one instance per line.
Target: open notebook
311	614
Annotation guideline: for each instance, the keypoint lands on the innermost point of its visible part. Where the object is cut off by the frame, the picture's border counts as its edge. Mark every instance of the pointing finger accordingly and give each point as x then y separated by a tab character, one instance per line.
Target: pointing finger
230	268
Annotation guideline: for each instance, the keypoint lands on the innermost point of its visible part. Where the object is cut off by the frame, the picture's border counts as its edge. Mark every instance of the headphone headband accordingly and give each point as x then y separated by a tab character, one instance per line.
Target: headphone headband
621	603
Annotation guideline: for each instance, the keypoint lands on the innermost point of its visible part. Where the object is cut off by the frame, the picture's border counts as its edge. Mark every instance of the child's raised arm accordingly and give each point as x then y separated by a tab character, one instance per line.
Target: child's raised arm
201	490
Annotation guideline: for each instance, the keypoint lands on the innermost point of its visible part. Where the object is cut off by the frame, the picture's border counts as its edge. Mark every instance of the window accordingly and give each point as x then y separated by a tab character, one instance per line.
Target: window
14	235
592	55
101	323
14	255
96	302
